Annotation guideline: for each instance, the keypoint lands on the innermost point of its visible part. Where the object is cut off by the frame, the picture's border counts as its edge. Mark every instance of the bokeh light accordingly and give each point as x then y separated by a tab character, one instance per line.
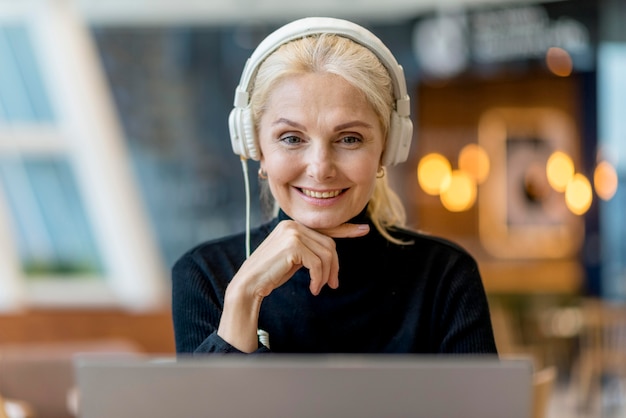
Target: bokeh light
605	180
461	192
433	173
560	170
559	62
473	159
578	194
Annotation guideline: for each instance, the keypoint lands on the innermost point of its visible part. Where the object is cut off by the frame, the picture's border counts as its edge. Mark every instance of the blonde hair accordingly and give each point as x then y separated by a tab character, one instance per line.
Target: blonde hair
328	53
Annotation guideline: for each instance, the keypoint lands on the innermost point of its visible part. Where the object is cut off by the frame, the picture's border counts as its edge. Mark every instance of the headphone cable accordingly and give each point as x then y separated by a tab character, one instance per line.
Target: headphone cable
262	335
246	182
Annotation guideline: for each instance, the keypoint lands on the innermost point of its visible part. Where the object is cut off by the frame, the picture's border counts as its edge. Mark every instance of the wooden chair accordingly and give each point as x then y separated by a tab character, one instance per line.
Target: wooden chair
3	411
50	366
543	384
508	338
543	381
602	349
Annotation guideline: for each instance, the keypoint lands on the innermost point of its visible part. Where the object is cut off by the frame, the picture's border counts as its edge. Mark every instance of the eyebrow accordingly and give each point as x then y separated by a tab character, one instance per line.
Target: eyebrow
288	122
351	124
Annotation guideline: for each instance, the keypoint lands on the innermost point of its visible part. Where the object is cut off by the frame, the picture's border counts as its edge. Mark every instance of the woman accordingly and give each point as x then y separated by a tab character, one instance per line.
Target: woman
335	271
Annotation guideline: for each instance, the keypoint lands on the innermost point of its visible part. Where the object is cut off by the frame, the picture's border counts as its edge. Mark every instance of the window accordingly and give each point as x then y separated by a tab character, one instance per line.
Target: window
73	230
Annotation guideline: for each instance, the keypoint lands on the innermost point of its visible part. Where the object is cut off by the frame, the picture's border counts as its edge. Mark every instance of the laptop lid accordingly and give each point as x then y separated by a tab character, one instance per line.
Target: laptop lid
304	387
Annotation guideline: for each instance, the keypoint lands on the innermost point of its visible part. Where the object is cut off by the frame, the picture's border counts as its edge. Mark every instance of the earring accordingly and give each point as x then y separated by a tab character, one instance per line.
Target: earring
262	174
380	173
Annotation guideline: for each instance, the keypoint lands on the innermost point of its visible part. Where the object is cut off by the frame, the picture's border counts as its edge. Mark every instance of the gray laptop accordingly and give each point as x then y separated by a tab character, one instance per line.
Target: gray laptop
301	386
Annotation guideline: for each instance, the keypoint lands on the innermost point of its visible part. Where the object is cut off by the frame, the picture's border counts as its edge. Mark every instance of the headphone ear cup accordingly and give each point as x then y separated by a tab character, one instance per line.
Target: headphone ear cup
249	135
242	136
398	140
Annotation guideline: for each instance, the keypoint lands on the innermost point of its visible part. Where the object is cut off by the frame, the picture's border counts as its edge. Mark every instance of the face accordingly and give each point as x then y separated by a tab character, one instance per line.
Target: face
321	144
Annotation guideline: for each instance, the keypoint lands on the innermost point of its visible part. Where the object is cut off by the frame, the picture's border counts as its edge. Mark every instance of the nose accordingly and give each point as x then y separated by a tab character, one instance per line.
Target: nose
320	162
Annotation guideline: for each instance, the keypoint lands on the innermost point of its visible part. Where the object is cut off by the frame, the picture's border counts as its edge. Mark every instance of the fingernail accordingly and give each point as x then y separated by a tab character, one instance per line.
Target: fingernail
363	227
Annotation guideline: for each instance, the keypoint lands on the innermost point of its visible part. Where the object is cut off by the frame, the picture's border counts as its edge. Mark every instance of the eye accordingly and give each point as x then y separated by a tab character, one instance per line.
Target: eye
291	140
351	140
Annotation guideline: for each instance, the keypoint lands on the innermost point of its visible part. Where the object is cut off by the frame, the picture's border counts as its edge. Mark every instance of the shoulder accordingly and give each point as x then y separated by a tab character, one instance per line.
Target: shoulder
228	249
230	244
433	256
424	243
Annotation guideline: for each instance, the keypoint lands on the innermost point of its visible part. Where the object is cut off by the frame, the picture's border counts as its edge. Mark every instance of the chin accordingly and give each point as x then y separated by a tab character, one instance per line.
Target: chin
321	221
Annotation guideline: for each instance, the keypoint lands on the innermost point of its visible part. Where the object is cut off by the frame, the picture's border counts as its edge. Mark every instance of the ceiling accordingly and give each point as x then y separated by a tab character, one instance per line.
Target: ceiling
122	12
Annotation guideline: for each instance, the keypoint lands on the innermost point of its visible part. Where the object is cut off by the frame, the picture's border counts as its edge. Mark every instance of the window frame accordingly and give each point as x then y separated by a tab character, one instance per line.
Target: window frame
87	132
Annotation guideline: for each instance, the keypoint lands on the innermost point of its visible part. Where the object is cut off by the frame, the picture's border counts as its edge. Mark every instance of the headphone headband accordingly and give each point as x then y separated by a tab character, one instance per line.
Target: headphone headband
242	133
319	25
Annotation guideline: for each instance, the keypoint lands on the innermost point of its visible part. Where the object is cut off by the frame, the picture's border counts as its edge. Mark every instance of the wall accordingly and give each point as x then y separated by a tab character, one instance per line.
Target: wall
152	332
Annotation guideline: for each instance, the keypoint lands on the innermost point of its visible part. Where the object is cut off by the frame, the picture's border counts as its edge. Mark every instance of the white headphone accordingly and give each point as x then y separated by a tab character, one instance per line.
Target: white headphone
240	123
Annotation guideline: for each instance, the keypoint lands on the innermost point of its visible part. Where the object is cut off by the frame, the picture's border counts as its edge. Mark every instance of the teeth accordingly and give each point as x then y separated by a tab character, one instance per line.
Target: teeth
321	195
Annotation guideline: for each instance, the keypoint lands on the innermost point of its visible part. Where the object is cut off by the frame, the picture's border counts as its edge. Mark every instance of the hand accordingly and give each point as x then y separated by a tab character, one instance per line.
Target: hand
286	249
291	246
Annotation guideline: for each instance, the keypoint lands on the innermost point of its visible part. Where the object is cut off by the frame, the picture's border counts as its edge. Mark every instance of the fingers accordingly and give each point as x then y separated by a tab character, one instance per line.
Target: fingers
317	253
346	230
291	246
322	260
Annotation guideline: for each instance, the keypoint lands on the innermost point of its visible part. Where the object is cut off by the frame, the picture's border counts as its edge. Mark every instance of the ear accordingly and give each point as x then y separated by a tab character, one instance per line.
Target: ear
261	157
381	160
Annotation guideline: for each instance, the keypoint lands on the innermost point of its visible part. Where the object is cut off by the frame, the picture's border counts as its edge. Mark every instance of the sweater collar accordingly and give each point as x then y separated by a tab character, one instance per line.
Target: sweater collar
361	218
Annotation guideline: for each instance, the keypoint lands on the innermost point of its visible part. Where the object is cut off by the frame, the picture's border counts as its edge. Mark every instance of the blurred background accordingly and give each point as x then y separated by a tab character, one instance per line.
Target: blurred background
115	159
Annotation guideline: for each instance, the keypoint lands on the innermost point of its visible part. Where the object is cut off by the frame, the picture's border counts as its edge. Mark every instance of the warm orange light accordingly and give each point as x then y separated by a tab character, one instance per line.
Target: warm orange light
578	194
433	173
460	194
559	62
473	159
560	170
605	180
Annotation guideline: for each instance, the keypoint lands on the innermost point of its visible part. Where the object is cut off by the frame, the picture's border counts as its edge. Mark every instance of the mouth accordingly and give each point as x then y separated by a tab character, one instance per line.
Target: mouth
328	194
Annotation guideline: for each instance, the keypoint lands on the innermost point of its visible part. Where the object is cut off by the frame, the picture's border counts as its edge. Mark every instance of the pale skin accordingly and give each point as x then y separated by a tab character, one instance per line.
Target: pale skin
321	145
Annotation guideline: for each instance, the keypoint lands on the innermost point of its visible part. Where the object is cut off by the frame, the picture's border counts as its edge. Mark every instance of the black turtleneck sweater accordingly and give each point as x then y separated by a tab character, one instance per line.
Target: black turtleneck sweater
426	297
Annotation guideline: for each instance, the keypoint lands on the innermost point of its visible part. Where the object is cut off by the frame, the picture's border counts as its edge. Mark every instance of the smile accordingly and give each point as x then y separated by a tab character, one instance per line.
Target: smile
321	195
